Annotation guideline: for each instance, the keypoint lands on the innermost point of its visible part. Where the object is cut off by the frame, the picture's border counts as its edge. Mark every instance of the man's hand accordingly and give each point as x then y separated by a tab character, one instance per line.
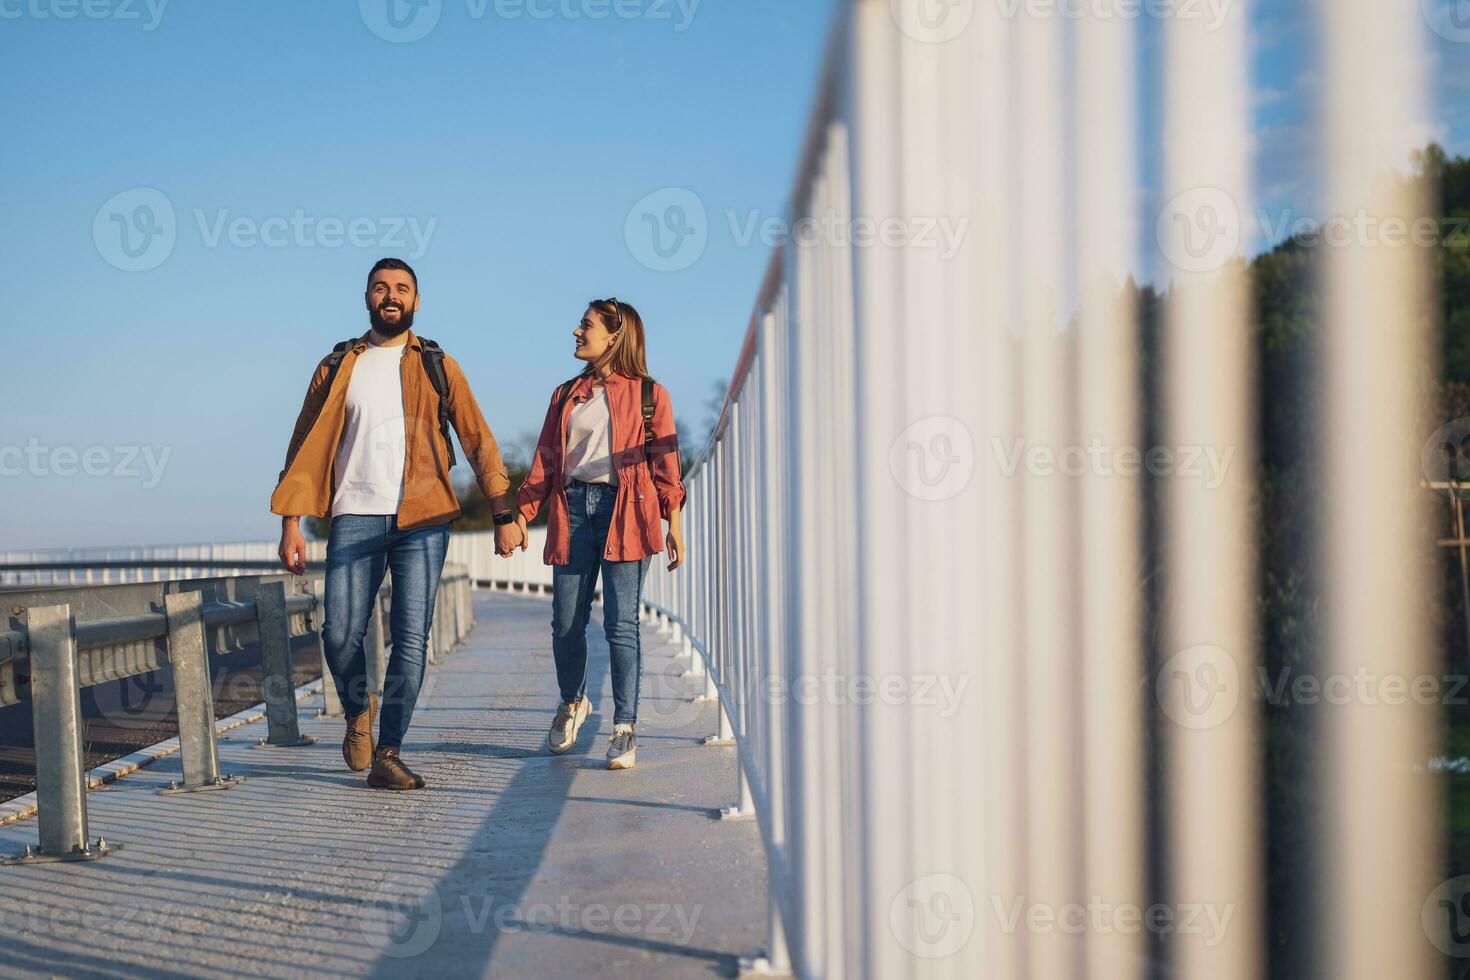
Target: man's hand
293	548
674	546
507	537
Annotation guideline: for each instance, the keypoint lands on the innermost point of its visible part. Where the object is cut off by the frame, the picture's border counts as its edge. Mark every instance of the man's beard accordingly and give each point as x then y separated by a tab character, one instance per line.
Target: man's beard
405	320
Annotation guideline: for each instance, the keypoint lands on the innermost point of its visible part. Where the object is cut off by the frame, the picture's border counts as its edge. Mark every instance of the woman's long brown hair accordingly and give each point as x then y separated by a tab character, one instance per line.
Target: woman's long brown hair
628	352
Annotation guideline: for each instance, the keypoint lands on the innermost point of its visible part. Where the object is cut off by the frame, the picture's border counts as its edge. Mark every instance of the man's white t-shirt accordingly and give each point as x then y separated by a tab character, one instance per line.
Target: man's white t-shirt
369	462
589	440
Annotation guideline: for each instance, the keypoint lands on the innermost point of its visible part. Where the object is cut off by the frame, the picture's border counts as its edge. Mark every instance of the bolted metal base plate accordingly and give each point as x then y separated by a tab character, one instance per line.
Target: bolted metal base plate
93	853
734	813
716	740
759	965
268	744
223	782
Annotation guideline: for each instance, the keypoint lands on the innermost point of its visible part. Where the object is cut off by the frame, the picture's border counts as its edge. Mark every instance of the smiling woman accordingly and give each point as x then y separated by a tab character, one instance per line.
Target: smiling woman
607	461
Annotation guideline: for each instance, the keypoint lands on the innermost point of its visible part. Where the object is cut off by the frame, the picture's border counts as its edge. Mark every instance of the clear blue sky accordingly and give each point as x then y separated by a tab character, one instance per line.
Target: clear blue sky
509	150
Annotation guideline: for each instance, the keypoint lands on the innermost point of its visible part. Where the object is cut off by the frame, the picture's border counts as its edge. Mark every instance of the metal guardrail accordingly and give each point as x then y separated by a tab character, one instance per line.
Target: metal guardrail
60	640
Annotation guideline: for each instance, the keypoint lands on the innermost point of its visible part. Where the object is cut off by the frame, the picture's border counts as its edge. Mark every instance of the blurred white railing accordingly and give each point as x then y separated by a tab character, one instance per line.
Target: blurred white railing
934	668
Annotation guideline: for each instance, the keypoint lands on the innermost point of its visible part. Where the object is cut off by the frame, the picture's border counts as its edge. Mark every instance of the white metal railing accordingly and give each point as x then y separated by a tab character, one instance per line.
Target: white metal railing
857	548
824	558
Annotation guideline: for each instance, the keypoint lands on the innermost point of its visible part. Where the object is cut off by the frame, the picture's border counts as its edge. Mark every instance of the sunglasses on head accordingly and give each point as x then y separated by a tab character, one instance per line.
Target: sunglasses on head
618	309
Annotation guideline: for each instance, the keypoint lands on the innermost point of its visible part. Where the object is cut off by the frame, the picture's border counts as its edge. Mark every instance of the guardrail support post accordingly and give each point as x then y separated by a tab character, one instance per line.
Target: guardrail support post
461	609
374	649
745	809
331	706
774	961
56	709
273	628
193	695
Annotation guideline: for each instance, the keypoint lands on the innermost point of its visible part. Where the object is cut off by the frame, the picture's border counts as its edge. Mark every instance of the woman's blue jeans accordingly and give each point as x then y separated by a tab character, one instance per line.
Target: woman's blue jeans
589	514
360	549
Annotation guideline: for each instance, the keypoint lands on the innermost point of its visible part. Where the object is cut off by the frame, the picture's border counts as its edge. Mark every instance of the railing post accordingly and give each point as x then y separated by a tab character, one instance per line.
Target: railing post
193	695
331	705
273	628
374	649
431	642
56	710
451	609
745	809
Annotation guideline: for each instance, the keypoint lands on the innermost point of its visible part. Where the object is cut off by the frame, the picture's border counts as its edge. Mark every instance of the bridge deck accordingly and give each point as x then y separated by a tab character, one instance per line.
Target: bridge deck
511	863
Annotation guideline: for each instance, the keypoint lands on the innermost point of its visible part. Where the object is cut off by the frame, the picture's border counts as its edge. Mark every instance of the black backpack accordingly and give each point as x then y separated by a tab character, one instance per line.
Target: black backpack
433	360
564	391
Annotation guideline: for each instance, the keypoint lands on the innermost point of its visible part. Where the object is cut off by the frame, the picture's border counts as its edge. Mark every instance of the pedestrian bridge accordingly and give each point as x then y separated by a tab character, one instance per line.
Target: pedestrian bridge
512	863
896	501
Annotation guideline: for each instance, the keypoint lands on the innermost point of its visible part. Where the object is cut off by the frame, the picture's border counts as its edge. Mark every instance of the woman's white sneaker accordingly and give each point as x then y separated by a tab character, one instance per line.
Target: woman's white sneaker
622	748
566	725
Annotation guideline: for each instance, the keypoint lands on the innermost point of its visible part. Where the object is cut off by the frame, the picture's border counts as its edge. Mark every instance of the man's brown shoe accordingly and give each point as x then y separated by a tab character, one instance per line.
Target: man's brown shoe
389	772
359	744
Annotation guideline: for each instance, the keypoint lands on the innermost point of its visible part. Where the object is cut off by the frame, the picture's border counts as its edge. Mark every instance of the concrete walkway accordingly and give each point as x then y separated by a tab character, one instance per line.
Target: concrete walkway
513	863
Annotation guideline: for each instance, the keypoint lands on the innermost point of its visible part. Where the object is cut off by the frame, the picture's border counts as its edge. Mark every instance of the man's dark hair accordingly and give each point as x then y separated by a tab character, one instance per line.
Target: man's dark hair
398	264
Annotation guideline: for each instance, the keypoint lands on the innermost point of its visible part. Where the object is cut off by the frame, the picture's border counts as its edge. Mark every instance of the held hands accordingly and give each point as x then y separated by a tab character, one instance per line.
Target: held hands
508	537
292	551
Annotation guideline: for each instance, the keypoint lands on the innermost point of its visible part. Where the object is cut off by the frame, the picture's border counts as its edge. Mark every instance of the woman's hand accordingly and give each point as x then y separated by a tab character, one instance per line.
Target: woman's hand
674	545
508	537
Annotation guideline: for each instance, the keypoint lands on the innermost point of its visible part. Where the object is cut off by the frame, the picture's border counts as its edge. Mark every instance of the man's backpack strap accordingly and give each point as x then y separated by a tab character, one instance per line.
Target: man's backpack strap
433	357
334	362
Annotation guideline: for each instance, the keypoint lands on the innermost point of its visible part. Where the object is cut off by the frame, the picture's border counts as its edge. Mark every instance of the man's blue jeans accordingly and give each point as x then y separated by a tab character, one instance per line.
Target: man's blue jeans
360	549
589	514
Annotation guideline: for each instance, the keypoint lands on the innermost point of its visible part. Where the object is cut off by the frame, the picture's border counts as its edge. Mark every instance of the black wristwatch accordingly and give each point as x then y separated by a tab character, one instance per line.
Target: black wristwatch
509	517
